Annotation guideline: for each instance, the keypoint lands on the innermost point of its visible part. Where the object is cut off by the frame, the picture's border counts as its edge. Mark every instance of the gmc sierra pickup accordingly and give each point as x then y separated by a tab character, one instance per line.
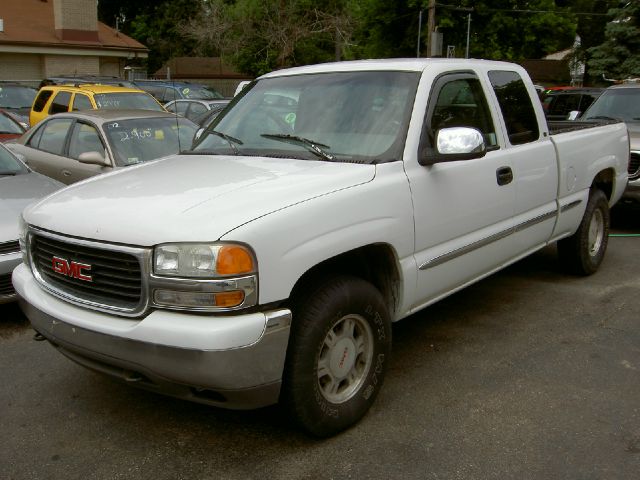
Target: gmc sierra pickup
267	263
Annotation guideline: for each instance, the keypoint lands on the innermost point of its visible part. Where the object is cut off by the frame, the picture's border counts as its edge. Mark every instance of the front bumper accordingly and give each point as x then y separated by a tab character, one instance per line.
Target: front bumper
228	361
632	192
8	262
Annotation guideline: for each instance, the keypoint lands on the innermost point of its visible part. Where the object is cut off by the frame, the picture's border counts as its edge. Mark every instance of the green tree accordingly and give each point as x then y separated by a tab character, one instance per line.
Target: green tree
153	23
619	55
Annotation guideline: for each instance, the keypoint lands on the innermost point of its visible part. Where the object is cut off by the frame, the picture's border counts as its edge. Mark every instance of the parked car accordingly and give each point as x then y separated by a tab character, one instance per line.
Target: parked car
10	127
559	103
19	186
167	90
622	102
17	99
195	109
66	98
95	79
77	145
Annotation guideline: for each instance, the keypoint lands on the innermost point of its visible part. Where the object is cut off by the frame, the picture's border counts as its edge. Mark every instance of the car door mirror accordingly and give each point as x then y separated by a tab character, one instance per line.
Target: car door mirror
573	115
456	143
93	158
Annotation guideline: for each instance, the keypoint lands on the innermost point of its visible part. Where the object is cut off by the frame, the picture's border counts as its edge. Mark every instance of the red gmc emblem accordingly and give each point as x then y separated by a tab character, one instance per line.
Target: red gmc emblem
72	269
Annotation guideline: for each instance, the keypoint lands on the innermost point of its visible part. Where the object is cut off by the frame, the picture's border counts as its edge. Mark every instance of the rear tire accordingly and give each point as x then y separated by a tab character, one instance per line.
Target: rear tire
583	252
338	354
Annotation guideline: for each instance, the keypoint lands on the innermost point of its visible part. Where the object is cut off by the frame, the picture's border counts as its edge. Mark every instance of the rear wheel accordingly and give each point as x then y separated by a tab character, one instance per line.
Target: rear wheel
583	252
338	354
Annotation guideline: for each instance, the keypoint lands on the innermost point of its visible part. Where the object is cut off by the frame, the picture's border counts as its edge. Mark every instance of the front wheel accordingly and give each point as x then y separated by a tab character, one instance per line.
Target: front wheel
583	252
338	354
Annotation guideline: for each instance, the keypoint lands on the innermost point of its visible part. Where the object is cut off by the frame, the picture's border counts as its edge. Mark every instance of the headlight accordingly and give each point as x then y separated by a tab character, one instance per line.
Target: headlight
204	277
199	260
22	239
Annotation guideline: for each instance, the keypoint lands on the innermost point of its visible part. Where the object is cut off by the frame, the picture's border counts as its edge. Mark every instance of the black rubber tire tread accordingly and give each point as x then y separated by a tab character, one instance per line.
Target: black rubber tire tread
321	302
574	250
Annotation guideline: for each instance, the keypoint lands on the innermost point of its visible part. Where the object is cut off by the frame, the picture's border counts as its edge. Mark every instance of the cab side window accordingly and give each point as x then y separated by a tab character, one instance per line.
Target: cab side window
457	100
81	102
60	103
515	103
54	135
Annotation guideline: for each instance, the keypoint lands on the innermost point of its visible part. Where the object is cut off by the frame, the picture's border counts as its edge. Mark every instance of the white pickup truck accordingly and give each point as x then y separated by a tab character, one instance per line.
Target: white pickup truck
268	263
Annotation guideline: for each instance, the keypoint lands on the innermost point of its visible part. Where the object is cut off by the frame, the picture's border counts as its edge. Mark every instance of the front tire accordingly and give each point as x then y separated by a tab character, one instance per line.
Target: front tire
338	354
583	252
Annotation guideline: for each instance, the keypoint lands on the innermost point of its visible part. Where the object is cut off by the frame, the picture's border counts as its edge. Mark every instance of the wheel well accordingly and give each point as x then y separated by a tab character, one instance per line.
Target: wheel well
604	182
376	264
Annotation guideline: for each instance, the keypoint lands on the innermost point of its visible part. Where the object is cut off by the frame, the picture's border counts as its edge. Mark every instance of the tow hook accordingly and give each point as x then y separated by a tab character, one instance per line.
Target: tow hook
38	337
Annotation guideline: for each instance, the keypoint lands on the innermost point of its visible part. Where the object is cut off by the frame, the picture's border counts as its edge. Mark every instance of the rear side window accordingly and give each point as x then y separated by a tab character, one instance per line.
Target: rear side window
81	102
515	104
41	100
54	135
60	103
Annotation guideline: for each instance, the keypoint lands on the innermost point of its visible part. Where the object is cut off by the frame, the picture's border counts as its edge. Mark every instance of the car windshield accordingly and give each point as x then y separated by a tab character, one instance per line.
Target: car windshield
618	103
348	116
143	139
9	126
14	96
200	93
136	100
10	165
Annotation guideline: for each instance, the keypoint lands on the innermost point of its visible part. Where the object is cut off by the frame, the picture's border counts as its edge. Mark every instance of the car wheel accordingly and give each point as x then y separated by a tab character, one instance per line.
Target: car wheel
338	354
583	252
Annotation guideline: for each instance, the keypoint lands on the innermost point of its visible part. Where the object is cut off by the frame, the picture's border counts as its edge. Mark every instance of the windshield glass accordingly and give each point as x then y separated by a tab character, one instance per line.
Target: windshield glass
13	96
620	103
9	126
10	165
200	93
113	101
352	116
143	139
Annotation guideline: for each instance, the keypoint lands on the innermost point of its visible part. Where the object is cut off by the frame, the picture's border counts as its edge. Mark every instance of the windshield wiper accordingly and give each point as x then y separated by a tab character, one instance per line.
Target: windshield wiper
230	140
8	173
603	117
312	146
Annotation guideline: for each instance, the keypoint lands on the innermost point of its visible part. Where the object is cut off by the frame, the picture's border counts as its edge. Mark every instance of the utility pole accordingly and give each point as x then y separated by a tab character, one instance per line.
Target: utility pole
419	33
431	25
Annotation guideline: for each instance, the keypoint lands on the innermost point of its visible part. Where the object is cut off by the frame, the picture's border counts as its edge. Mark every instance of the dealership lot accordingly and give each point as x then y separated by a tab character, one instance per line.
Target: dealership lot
530	373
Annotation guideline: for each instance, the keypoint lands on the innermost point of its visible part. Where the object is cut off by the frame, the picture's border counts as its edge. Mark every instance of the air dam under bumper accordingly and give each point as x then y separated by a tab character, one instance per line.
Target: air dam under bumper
227	361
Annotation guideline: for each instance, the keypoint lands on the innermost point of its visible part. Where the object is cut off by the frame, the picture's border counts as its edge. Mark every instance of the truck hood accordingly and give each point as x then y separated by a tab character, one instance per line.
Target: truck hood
188	198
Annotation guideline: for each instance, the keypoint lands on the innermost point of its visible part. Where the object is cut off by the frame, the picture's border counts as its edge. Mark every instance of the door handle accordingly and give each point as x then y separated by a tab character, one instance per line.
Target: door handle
66	173
504	175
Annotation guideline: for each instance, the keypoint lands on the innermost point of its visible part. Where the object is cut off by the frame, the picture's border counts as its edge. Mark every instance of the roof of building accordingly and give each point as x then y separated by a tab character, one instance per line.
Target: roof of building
31	22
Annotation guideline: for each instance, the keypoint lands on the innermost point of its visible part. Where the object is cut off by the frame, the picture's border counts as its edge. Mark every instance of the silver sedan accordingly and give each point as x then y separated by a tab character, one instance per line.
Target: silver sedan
73	146
19	187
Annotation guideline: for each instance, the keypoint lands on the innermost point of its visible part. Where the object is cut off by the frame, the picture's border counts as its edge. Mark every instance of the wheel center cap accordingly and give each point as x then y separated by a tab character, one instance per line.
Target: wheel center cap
343	357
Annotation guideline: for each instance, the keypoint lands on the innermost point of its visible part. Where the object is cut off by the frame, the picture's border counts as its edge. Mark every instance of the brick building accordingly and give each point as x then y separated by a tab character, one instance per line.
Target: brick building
44	38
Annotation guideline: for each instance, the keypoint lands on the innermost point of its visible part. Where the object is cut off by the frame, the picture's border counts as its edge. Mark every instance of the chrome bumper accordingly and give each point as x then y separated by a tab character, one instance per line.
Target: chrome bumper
232	362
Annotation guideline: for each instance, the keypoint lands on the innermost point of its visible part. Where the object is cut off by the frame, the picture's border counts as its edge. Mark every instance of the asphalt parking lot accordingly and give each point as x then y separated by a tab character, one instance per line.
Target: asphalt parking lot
529	374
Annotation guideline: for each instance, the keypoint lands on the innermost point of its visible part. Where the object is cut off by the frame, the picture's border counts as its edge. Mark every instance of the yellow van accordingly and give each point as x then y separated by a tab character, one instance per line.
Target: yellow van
68	98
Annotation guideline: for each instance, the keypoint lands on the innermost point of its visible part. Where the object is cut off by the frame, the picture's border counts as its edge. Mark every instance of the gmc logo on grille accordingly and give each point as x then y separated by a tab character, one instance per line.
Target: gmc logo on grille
71	269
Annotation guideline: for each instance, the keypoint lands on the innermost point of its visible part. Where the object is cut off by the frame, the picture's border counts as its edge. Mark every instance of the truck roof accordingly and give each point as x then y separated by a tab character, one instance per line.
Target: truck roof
399	64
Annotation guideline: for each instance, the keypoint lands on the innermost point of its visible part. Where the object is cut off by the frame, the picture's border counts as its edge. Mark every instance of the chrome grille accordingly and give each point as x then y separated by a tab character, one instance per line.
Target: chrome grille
634	165
9	247
6	287
116	276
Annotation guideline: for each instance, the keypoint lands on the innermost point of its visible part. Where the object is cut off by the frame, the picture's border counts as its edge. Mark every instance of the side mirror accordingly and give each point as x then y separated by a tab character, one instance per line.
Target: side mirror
456	143
198	134
573	115
93	158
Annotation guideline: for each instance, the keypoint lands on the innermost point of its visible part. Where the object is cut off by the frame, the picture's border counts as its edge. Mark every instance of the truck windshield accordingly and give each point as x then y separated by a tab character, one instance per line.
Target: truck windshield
351	117
616	103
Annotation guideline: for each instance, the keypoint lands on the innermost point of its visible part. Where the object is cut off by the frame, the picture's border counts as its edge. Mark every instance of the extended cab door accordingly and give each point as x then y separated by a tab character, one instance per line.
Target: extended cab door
535	166
463	208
